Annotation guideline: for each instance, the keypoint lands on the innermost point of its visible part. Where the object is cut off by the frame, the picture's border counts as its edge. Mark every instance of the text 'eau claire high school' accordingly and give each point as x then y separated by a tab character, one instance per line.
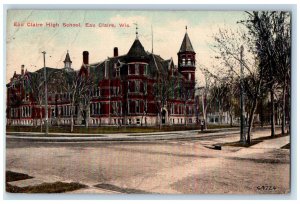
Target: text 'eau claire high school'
70	25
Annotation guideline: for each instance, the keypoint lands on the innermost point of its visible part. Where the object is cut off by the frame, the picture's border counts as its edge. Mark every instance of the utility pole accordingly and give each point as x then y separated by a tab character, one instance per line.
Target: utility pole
46	94
242	134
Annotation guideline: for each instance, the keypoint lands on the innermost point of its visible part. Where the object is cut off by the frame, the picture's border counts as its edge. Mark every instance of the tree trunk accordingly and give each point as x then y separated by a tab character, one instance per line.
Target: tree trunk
272	112
41	118
261	113
72	120
252	111
231	122
72	124
250	121
87	116
283	108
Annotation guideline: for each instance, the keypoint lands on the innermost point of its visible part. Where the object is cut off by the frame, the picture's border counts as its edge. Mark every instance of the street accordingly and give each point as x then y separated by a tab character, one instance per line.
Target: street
158	166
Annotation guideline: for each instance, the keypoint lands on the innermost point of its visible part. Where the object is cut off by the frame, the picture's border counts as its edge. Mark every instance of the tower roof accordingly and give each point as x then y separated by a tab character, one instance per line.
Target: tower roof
186	44
137	49
67	59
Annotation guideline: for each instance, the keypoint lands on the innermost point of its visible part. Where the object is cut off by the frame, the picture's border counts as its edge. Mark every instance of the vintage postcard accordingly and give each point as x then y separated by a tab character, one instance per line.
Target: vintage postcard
148	102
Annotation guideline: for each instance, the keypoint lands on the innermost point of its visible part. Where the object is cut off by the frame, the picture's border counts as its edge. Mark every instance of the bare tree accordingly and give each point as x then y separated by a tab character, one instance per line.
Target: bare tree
270	31
227	48
77	85
35	84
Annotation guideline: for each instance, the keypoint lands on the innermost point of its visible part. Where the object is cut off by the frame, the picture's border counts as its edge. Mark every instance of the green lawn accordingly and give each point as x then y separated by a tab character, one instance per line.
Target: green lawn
111	129
103	129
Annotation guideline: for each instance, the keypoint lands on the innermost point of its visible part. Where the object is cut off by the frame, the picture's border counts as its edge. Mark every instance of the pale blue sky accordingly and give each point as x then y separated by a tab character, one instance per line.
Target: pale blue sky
25	44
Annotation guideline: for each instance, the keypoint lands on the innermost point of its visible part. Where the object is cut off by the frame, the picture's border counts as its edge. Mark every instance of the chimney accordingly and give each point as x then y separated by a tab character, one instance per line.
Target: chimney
85	57
116	52
22	69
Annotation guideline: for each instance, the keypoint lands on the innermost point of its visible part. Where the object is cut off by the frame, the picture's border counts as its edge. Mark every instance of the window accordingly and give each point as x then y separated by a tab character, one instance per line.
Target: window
172	108
183	61
137	106
137	86
91	108
131	69
189	61
137	71
114	107
53	112
98	108
115	91
145	106
96	91
138	121
145	87
146	69
189	76
118	72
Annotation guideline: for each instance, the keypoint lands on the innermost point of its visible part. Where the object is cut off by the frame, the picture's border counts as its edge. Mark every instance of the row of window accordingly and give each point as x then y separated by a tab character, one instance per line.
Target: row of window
135	106
25	111
137	87
138	69
96	108
179	109
180	121
65	110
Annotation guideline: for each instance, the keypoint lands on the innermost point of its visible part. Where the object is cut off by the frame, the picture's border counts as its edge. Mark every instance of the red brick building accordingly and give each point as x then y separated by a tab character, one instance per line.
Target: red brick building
138	88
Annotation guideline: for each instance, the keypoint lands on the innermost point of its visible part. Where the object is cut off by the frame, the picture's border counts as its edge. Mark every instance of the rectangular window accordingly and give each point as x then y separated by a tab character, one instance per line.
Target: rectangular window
189	62
189	76
53	112
128	106
137	71
131	69
145	87
138	121
137	86
146	69
137	106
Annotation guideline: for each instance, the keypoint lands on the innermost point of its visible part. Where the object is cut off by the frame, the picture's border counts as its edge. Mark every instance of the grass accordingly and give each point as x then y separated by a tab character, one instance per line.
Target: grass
118	189
287	146
212	126
253	141
104	129
13	176
57	187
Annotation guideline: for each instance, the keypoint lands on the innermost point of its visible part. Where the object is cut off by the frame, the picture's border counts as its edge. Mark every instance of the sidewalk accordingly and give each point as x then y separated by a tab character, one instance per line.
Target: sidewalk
68	137
275	143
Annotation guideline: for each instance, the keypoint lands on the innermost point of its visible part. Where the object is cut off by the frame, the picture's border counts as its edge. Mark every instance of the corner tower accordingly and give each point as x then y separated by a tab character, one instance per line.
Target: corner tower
186	59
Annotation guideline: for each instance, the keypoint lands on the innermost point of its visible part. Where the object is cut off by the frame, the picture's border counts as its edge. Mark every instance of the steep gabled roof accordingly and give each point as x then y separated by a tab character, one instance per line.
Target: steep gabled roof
137	50
186	44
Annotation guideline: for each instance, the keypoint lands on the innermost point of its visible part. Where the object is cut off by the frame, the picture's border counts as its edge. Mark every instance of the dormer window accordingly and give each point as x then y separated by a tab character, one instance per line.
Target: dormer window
118	72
